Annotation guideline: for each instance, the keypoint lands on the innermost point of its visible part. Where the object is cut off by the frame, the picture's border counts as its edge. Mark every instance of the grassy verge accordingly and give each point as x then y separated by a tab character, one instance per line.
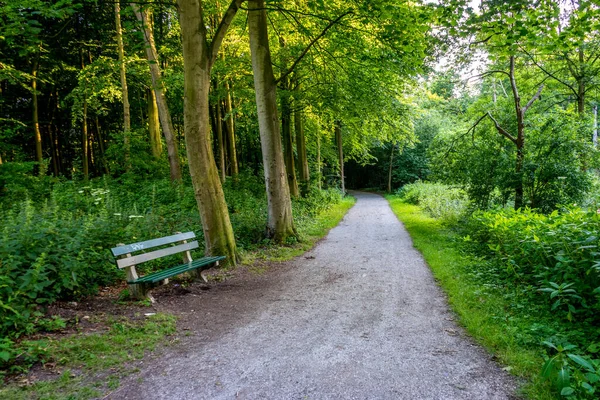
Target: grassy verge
88	365
486	314
310	231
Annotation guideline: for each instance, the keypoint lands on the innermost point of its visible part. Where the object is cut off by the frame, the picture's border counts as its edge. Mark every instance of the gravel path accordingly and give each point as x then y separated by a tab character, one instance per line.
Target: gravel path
358	317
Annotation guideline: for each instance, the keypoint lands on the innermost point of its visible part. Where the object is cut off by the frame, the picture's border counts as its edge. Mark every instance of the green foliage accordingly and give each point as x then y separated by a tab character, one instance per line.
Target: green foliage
555	254
447	203
557	155
58	246
572	375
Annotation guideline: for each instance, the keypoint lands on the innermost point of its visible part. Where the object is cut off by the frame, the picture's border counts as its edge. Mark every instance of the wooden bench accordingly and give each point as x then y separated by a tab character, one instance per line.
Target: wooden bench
139	286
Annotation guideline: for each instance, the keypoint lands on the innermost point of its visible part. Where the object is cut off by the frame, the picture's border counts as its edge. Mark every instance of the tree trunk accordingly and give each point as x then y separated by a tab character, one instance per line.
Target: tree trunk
159	92
124	91
520	139
36	122
389	188
288	146
233	162
154	125
219	132
339	143
286	126
595	132
84	143
53	150
218	233
84	130
581	84
280	224
301	149
319	169
101	146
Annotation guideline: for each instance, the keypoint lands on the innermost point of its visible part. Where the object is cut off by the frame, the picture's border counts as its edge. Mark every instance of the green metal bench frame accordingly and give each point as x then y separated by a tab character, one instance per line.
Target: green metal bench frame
169	245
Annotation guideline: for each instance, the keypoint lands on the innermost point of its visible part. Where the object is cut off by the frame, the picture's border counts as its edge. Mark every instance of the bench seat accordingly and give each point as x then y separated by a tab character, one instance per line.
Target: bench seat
179	269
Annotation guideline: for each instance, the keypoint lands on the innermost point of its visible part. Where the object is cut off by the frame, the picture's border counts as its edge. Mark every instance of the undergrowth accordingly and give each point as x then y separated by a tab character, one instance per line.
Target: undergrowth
55	235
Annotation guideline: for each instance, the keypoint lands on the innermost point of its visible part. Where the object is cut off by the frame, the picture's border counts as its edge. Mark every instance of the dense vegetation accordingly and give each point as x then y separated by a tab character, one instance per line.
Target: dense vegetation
539	274
125	121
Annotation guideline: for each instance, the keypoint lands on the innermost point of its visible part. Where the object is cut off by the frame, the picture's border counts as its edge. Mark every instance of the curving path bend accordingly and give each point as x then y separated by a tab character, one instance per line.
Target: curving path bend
357	317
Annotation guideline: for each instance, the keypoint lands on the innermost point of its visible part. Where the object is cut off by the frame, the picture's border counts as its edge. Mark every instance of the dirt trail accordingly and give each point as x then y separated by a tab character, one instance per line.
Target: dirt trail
358	317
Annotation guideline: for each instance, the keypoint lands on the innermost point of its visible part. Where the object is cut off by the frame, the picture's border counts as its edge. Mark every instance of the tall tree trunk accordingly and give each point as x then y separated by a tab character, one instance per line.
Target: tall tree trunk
319	169
53	150
288	146
124	91
233	162
581	84
36	122
101	146
595	132
280	224
286	126
520	139
389	188
198	57
84	130
154	125
339	143
84	143
219	132
303	172
159	92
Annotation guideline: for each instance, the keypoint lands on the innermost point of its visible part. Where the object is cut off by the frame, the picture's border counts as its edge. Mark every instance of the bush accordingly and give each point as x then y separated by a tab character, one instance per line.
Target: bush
555	254
447	203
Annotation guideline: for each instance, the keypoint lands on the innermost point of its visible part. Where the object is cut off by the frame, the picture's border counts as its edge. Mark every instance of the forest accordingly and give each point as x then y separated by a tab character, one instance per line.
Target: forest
244	121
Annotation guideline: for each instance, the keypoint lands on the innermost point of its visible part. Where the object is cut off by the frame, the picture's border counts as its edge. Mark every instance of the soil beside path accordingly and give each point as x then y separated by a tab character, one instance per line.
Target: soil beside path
358	317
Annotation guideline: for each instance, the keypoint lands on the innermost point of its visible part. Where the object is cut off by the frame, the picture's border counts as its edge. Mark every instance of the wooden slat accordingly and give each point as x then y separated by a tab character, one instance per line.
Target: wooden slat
142	258
148	244
168	273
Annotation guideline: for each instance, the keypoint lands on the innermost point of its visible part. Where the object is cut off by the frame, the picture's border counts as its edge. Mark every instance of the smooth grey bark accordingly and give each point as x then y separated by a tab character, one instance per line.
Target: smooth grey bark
280	223
198	57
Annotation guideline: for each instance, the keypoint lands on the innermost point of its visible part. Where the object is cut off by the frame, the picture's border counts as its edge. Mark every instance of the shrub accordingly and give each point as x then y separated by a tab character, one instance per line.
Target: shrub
447	203
557	254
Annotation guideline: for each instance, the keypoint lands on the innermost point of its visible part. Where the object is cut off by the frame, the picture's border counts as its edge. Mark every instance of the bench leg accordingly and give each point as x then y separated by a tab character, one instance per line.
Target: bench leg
140	291
200	272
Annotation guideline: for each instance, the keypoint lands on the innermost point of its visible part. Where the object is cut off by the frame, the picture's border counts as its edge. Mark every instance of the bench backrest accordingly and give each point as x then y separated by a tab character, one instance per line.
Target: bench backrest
150	244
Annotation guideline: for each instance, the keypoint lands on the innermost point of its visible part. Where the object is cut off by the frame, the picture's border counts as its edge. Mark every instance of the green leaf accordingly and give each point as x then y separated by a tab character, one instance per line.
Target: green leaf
5	356
564	377
567	391
582	361
548	367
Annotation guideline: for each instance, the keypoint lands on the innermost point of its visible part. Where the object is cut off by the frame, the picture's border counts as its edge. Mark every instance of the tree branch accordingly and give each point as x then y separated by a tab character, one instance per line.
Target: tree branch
213	49
305	51
534	98
551	75
500	129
